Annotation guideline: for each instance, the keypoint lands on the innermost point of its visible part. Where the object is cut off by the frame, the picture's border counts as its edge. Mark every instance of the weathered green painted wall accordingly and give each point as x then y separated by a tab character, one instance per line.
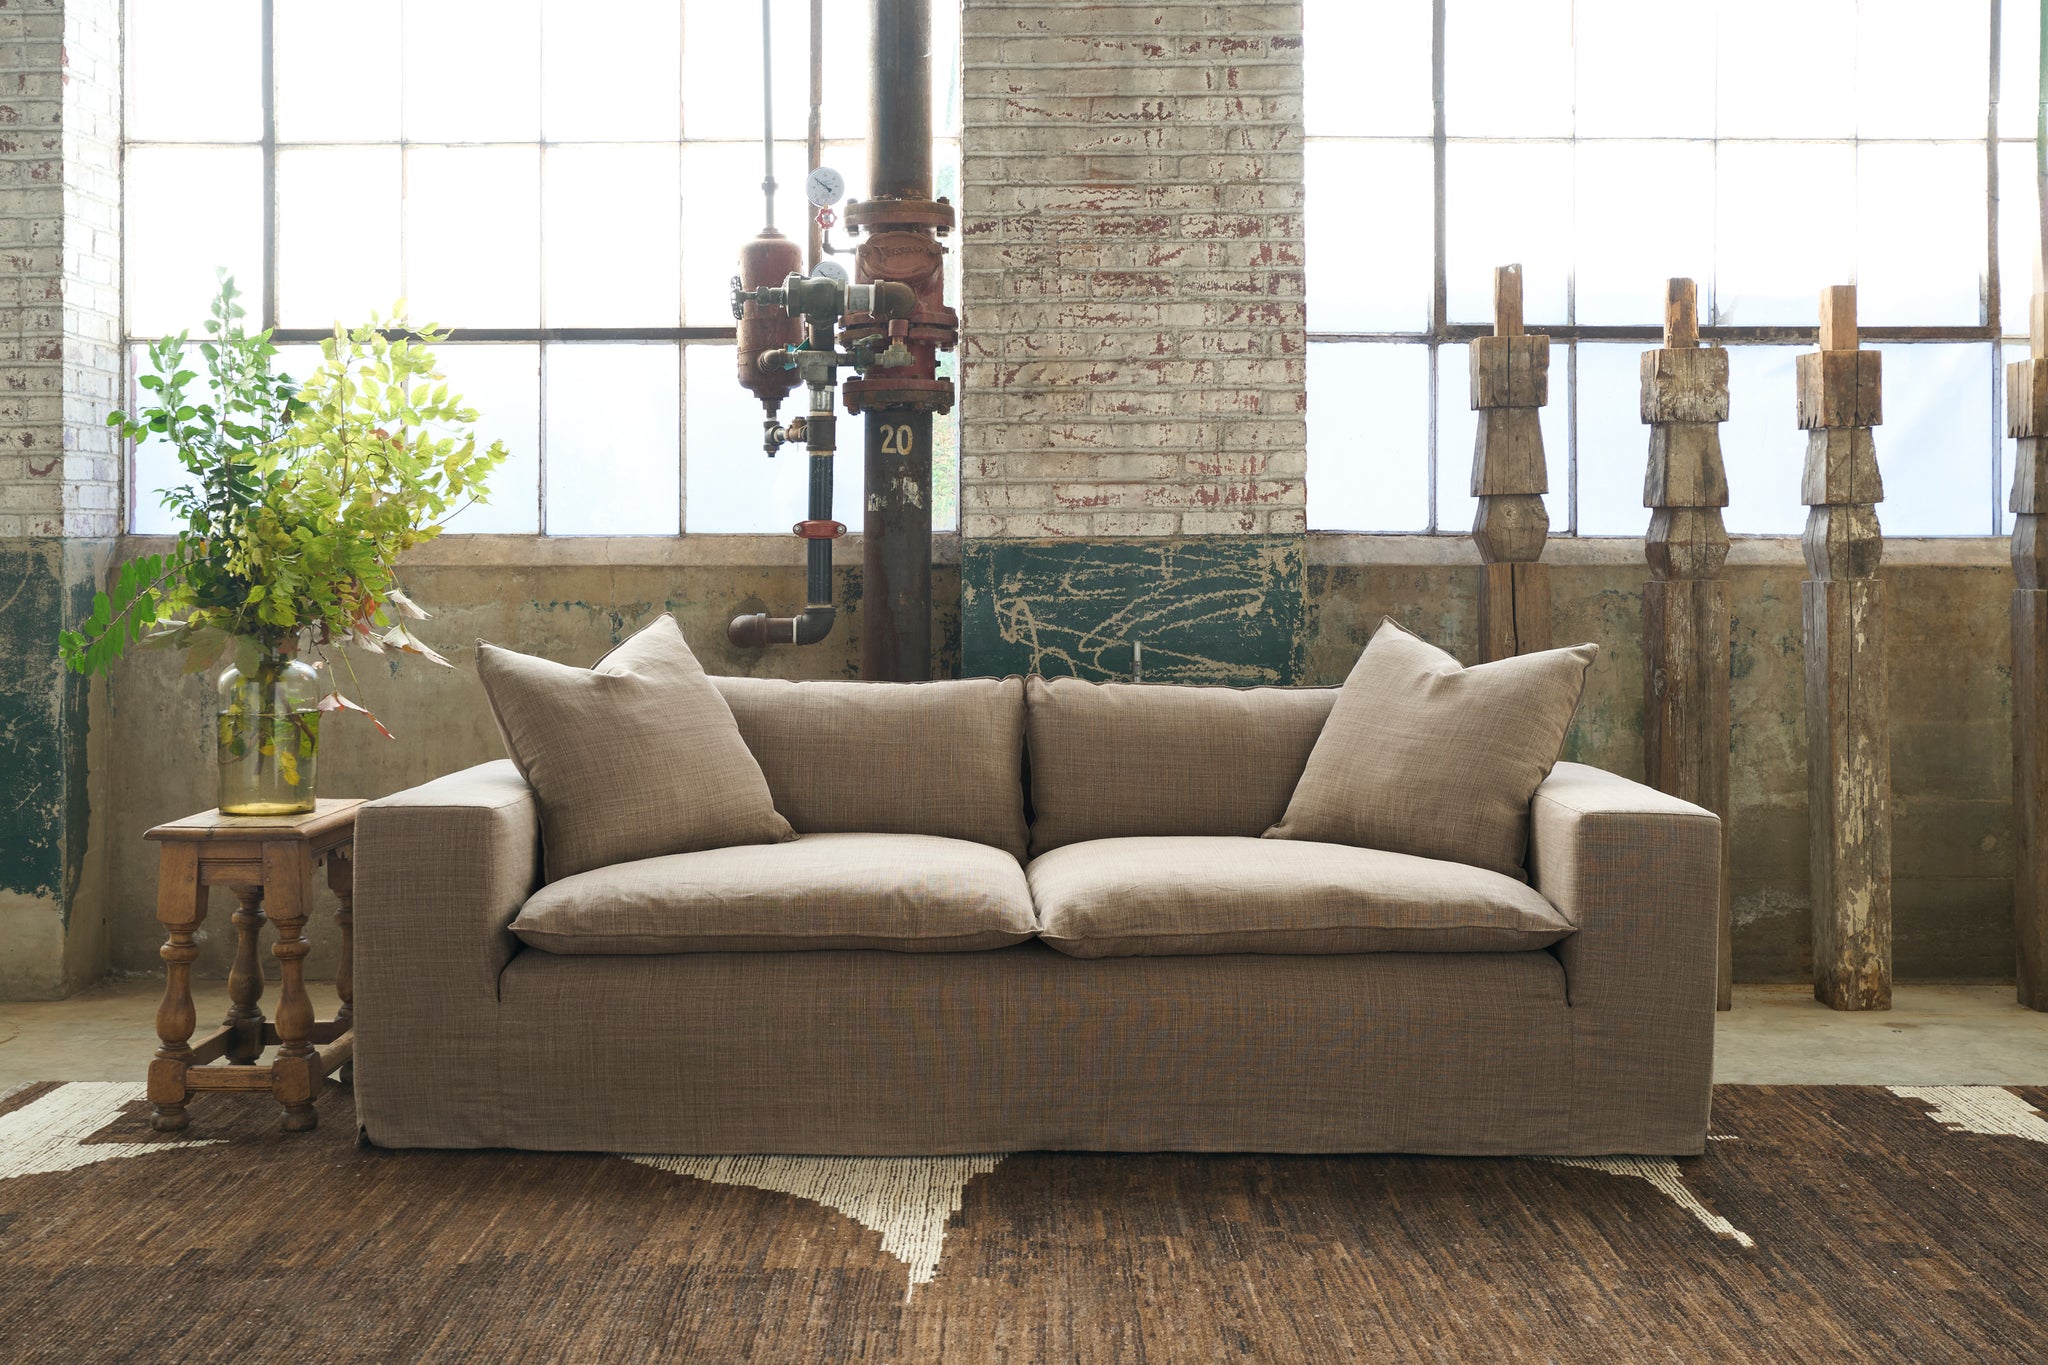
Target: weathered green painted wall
46	776
1213	609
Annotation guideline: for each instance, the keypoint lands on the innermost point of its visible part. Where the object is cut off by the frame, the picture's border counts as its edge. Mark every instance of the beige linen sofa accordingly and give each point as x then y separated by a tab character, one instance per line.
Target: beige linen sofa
960	954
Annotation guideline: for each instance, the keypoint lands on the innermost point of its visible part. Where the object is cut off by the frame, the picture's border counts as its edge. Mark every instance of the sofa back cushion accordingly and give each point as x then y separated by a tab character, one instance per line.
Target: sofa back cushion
1130	760
940	758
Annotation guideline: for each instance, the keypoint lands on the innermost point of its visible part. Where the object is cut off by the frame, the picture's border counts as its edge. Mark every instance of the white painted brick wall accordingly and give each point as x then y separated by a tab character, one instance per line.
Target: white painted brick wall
1134	352
60	293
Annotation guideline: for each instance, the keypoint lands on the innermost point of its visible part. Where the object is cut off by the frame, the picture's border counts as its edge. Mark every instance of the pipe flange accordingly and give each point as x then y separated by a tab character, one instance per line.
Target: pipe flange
887	394
872	213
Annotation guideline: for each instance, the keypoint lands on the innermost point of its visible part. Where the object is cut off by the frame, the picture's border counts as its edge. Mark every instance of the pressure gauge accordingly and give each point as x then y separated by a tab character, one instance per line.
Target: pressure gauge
825	187
829	270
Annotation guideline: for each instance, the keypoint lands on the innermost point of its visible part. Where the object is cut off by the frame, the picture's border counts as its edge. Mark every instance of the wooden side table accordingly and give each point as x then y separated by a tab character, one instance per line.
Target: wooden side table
268	861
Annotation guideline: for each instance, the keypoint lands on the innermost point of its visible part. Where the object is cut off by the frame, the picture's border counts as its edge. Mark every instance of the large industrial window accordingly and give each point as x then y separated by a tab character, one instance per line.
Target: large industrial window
564	184
1765	148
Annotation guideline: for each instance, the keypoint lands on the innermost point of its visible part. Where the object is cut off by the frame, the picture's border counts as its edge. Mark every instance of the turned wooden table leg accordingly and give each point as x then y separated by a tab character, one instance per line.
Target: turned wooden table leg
286	877
341	880
245	979
180	906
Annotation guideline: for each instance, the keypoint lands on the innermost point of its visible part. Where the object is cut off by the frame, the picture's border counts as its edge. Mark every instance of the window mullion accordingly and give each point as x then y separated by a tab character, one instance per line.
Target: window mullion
267	301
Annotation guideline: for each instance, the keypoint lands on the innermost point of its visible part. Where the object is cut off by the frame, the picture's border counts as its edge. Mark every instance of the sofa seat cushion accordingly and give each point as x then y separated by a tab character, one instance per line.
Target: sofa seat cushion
906	893
1168	897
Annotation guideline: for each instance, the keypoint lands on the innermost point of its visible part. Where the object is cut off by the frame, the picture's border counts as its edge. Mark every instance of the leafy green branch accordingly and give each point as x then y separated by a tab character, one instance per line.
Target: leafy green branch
301	499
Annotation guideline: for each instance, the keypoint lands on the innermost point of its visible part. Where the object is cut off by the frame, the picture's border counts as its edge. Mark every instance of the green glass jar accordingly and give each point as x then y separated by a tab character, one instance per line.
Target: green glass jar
267	734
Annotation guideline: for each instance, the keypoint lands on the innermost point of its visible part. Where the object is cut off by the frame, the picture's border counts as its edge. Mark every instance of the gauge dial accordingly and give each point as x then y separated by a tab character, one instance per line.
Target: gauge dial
825	187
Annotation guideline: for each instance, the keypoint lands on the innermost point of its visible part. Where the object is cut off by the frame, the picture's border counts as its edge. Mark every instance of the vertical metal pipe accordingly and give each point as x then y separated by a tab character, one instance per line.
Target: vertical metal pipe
900	130
767	119
896	548
816	131
896	552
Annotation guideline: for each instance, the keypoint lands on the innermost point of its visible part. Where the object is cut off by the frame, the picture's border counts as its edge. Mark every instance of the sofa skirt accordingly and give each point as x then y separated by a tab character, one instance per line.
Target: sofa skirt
879	1053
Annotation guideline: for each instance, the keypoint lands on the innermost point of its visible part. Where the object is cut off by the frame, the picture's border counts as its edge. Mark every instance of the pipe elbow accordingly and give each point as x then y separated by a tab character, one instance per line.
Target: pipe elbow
761	630
814	625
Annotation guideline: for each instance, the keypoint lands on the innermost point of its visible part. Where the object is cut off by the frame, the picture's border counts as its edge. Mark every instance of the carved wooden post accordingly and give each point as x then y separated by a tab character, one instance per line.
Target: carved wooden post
1847	730
2027	419
1685	603
1510	385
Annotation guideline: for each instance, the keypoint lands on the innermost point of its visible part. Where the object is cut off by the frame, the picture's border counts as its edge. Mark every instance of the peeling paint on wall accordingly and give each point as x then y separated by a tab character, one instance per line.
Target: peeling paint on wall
36	752
1220	610
1304	624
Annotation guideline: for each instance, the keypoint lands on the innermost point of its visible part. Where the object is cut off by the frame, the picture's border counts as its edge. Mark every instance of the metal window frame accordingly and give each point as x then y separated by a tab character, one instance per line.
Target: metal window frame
1442	332
543	335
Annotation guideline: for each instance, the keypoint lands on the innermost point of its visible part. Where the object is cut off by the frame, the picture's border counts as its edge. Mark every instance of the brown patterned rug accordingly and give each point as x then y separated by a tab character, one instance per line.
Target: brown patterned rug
1824	1223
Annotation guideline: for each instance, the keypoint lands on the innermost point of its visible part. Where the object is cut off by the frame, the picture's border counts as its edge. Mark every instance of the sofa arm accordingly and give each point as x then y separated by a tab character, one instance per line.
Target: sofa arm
441	870
1639	873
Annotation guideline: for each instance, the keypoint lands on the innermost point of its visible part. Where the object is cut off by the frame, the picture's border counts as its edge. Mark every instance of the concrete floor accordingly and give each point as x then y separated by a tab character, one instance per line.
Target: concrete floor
1932	1035
1775	1035
108	1033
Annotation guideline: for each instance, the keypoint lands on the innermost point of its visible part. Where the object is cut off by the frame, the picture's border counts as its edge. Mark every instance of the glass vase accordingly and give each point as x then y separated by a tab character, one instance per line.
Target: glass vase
267	737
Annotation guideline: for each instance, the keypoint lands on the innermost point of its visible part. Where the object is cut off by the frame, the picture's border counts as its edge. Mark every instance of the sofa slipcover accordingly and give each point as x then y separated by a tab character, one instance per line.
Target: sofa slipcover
905	893
1166	897
1601	1043
1022	1049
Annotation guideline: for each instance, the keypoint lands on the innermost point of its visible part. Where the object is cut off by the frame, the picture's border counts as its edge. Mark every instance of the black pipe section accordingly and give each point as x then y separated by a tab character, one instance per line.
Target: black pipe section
900	120
896	547
761	629
896	541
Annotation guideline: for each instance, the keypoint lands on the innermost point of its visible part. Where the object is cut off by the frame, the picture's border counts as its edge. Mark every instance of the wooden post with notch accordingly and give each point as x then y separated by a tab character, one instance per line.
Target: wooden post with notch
2026	410
1848	737
1685	603
1510	385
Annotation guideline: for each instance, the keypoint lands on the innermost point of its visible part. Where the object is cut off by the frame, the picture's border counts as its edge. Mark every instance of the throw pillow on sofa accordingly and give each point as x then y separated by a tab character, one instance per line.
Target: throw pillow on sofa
1422	755
633	758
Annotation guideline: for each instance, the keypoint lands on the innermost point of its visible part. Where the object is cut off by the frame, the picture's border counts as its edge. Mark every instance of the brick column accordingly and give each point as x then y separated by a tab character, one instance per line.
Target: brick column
1134	341
60	471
